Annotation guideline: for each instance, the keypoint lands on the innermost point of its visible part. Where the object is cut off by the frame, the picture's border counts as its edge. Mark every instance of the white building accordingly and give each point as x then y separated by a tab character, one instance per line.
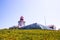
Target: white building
21	22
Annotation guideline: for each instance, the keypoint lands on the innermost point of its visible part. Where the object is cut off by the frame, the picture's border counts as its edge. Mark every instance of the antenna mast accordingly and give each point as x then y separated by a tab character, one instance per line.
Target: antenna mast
45	20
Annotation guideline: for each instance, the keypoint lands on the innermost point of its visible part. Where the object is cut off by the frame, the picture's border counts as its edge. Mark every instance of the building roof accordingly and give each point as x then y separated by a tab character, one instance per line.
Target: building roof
36	26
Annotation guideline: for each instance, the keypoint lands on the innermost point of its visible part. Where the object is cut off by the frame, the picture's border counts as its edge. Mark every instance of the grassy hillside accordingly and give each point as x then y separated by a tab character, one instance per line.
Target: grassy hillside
36	34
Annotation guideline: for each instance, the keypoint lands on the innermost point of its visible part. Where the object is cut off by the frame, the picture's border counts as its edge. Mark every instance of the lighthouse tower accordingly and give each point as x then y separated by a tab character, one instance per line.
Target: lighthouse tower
21	22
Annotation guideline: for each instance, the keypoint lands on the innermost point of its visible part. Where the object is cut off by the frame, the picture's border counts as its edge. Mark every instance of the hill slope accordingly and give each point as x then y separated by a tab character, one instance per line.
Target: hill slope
31	34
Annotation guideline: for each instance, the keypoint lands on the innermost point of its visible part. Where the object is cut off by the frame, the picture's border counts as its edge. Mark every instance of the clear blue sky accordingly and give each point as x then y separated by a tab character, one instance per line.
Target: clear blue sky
32	10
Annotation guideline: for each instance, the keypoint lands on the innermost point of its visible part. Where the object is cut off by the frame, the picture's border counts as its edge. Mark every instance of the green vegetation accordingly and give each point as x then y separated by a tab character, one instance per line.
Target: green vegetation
30	34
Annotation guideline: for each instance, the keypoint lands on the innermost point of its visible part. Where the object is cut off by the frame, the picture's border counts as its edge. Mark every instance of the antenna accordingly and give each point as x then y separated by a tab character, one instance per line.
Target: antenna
45	20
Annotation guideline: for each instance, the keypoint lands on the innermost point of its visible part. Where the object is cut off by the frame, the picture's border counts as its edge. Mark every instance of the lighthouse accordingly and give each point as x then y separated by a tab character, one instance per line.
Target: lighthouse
21	22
